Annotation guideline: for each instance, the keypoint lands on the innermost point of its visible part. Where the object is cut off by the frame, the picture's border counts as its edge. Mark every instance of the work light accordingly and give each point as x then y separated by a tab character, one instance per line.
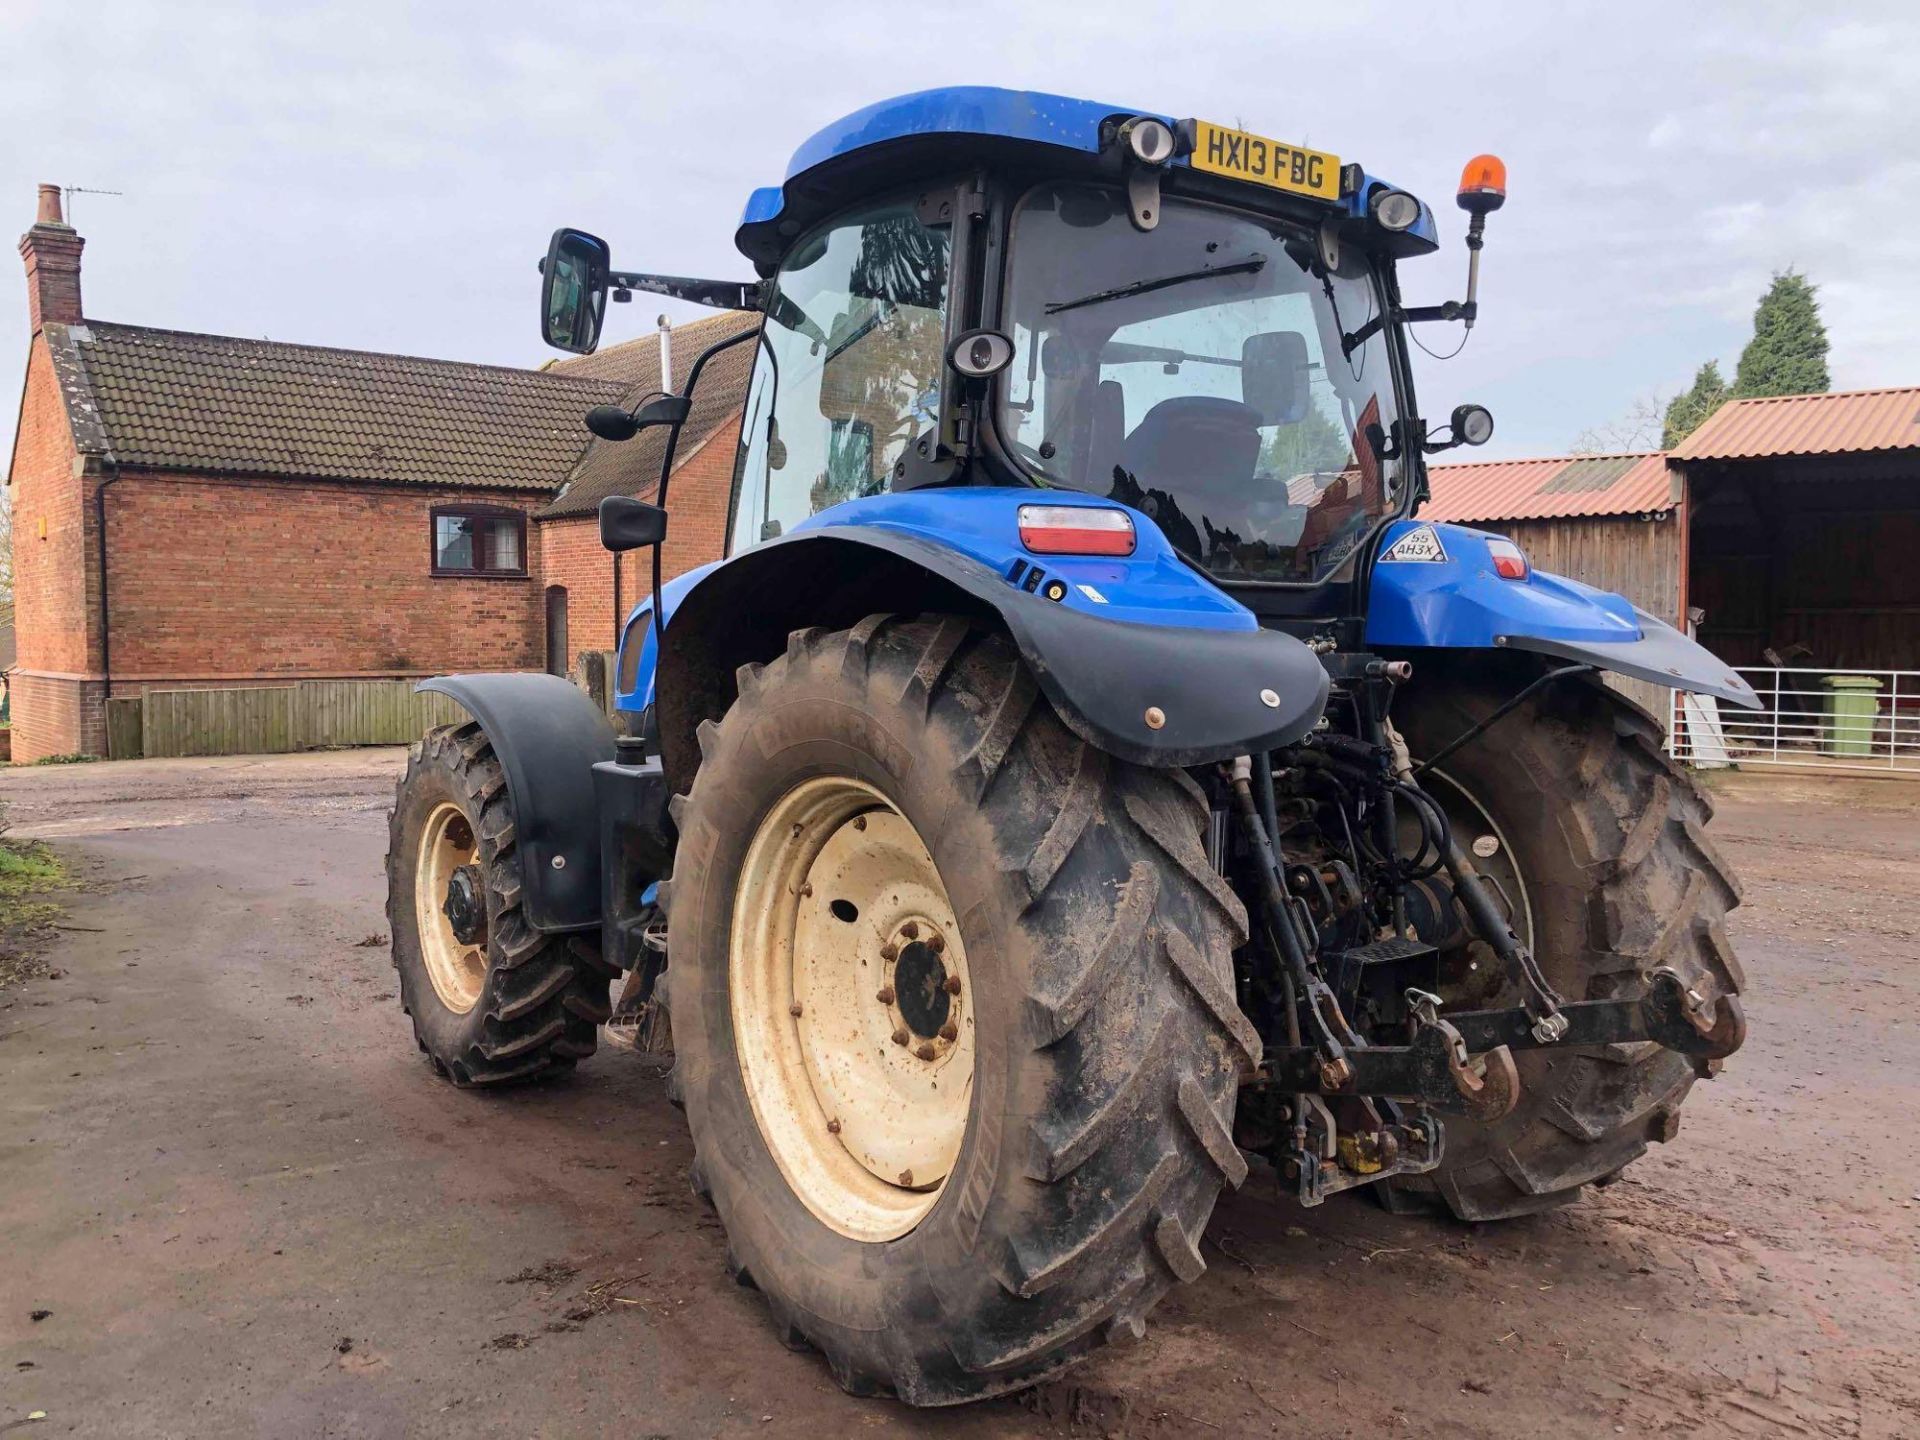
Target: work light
1394	209
1150	141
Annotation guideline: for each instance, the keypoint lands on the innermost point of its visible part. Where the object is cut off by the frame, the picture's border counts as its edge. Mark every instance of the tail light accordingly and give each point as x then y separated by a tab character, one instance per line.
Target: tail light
1509	560
1076	530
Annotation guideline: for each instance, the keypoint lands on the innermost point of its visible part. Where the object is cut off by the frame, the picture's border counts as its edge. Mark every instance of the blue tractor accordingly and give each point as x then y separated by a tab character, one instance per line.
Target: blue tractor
1086	777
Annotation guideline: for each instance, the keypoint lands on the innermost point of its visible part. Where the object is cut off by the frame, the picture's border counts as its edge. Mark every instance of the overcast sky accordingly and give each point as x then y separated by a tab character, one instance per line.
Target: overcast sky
383	176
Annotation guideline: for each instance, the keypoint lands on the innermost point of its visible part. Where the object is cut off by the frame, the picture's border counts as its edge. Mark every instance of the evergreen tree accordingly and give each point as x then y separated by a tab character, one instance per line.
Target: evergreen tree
1788	352
1314	445
1689	410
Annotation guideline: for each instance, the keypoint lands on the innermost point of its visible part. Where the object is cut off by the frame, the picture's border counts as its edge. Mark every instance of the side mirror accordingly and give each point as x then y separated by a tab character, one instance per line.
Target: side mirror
573	290
1275	376
628	524
612	422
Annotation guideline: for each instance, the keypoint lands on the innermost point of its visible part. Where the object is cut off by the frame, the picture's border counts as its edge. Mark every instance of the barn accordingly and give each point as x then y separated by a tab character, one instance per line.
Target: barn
1783	532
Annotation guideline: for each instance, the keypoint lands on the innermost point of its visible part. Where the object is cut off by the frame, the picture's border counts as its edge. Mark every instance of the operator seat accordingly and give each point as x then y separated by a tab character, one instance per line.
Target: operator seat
1107	433
1198	445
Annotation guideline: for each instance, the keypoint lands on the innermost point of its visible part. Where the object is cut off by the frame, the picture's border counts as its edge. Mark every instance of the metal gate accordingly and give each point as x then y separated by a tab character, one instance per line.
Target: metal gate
1854	721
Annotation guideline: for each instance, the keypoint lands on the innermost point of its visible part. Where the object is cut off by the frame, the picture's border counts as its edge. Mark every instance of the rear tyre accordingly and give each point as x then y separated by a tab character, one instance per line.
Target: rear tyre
1609	838
1062	1129
493	1001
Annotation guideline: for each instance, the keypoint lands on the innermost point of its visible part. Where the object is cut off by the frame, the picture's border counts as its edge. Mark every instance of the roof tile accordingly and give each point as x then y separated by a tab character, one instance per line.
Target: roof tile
632	467
173	400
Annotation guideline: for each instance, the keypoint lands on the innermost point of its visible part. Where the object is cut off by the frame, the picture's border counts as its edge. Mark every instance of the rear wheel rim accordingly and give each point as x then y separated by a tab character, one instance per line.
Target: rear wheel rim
852	1008
457	969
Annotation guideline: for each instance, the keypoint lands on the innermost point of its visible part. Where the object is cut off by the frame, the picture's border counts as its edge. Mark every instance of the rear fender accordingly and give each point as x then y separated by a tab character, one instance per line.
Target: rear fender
1217	683
1451	597
548	736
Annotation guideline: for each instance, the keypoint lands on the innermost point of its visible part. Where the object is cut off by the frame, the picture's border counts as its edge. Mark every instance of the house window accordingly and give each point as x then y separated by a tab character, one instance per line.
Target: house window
479	542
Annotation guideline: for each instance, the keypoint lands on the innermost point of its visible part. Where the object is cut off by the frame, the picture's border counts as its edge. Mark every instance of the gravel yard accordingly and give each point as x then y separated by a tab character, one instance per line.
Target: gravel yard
246	1206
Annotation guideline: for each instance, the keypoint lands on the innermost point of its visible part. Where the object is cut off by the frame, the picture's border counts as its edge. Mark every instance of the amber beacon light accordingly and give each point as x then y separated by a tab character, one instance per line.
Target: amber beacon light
1483	185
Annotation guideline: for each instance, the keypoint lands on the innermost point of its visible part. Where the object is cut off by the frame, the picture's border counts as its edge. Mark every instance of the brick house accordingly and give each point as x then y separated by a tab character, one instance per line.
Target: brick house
196	510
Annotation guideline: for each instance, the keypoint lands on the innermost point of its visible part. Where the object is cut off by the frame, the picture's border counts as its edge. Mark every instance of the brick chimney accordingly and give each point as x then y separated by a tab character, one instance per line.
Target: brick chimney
51	250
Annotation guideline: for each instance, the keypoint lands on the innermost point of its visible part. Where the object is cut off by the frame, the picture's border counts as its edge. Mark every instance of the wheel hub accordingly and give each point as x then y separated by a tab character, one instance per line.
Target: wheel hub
466	906
849	998
920	983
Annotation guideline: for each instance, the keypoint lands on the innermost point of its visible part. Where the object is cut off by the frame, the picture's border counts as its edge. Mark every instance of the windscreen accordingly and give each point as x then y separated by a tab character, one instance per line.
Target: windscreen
1196	372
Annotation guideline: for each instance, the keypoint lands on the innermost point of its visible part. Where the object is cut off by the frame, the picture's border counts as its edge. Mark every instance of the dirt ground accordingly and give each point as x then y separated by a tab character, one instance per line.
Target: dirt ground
247	1208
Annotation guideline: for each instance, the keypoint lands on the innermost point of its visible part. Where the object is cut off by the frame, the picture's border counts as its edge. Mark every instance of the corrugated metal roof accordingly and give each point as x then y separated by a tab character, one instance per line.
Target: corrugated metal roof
1545	489
1849	423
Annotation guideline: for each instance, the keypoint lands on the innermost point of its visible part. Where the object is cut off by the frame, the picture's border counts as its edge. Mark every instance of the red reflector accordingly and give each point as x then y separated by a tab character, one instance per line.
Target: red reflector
1076	530
1509	560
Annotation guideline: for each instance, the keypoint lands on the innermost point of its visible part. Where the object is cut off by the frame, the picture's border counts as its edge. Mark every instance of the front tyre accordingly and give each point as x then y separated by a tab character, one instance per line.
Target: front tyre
954	1012
493	1001
1617	878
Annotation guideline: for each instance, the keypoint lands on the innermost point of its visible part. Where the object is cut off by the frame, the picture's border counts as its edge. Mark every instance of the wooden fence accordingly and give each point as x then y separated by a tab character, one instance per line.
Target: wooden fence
274	719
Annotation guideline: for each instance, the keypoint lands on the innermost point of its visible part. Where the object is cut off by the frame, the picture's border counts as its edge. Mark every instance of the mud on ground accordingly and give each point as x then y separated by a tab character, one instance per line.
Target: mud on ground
247	1208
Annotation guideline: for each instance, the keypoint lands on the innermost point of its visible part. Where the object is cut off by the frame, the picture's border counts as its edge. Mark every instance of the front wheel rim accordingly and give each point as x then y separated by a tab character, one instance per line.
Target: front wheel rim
852	1008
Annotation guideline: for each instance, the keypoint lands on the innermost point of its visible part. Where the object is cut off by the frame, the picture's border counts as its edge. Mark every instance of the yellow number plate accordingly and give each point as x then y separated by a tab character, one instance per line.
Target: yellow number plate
1240	156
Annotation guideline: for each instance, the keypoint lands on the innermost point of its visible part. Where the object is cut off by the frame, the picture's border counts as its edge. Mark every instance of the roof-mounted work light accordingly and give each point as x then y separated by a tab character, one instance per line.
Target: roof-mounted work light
1146	146
1394	209
1148	140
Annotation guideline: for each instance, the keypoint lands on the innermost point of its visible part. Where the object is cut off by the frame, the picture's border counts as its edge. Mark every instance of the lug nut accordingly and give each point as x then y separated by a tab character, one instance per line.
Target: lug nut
900	1036
794	1010
884	995
833	1127
906	1177
859	822
953	985
949	1031
910	930
937	943
925	1050
889	952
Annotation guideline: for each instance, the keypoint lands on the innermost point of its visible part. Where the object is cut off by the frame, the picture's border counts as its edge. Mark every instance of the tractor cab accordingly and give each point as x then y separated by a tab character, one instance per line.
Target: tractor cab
976	287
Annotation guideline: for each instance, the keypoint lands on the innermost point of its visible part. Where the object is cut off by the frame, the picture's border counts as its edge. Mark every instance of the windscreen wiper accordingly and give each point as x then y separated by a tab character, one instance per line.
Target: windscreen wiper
1248	266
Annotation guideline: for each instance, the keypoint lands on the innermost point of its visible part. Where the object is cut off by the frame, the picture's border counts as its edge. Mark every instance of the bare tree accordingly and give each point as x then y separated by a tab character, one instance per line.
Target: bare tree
6	555
1638	429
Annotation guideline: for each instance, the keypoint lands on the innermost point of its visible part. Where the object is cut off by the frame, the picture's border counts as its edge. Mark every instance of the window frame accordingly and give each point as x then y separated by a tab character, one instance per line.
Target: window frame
958	289
1262	596
436	513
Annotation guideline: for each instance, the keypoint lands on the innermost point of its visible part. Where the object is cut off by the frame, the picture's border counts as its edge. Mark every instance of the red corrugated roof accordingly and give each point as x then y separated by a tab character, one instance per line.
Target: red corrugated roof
1545	489
1857	421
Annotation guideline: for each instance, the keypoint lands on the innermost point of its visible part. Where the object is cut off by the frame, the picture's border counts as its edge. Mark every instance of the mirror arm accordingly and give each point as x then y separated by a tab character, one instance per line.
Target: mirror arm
752	332
719	294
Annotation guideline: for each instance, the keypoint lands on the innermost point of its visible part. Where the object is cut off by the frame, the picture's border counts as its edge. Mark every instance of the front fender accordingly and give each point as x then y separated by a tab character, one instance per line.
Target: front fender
548	736
1451	597
1221	685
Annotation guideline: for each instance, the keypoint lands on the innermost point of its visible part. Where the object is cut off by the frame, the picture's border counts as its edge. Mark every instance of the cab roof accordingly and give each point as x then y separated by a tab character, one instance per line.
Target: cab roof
957	122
